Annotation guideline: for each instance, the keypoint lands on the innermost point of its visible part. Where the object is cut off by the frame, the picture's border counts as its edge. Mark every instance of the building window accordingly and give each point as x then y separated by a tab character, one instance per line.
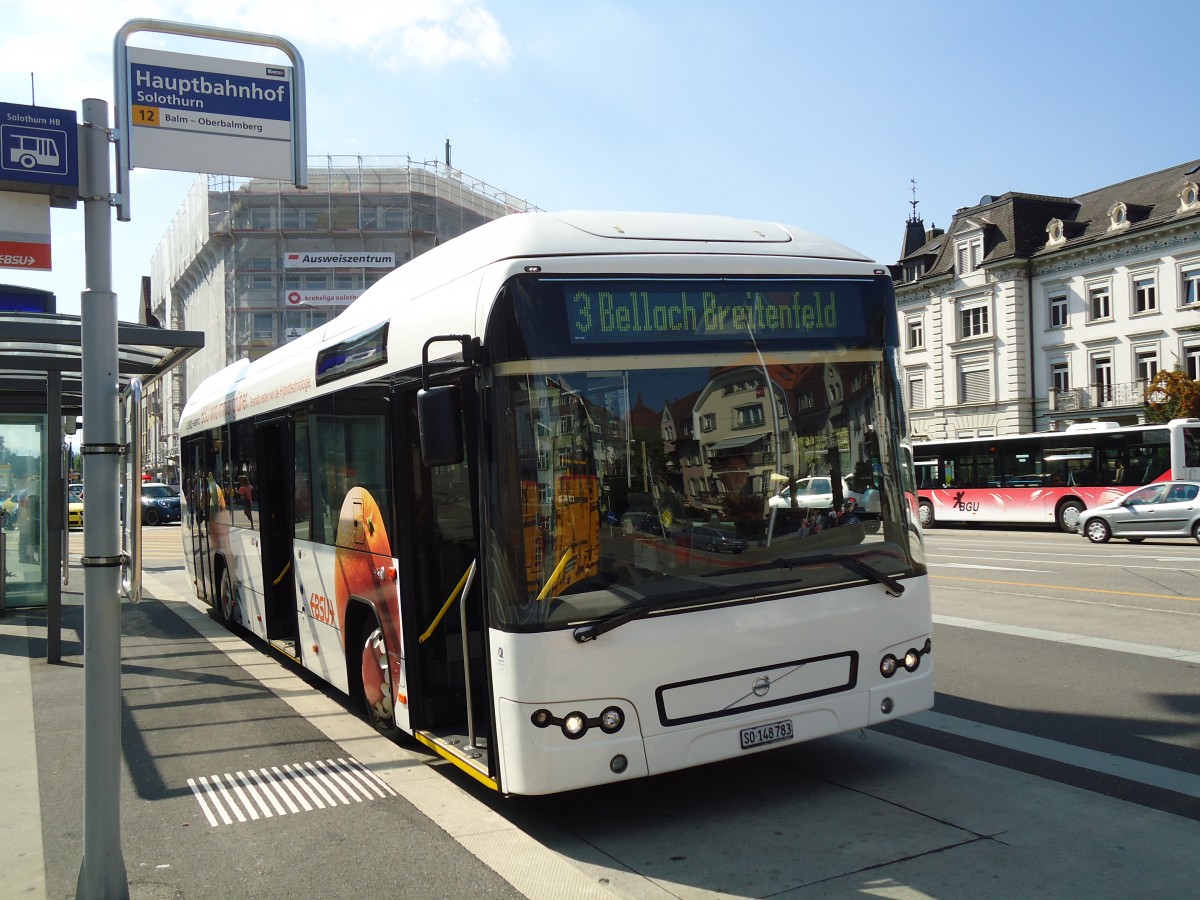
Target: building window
1099	303
1191	361
1060	375
1058	311
708	422
301	321
256	326
1189	294
260	281
1102	376
916	333
1145	299
397	219
969	255
302	218
260	217
748	416
974	379
1145	363
916	391
973	321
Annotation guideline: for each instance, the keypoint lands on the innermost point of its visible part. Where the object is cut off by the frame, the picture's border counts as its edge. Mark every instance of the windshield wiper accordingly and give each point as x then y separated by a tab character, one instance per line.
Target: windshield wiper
853	563
642	608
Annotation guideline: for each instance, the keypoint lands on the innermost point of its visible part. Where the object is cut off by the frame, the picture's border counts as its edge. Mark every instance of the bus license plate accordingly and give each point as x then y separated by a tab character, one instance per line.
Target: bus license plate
760	735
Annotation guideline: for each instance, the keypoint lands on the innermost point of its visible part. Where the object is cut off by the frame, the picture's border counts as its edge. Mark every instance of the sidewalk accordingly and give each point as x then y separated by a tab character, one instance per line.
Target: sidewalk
198	704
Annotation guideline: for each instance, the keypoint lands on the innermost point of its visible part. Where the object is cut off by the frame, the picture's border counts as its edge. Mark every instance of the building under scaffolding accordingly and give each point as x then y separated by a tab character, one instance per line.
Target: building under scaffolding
255	263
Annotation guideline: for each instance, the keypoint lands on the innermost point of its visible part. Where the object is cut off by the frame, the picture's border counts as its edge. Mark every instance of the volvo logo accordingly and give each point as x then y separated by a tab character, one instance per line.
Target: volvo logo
762	684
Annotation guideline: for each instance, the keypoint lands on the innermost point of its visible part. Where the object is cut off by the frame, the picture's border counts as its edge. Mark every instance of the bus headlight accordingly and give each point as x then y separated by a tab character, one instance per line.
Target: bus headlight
575	725
887	666
912	659
611	720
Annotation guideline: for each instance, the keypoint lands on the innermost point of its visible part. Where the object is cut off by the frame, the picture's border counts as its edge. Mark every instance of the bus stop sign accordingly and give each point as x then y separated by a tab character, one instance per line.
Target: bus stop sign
39	152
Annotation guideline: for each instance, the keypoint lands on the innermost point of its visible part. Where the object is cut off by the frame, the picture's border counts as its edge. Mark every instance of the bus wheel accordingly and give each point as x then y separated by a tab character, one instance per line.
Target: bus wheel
1097	531
1068	516
378	695
227	600
926	509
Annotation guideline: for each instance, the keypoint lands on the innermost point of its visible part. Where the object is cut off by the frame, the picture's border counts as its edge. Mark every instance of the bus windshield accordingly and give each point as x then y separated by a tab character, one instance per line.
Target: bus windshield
631	480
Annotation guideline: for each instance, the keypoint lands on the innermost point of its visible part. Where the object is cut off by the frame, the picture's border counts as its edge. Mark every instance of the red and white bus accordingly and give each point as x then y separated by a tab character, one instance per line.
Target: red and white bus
458	502
1049	477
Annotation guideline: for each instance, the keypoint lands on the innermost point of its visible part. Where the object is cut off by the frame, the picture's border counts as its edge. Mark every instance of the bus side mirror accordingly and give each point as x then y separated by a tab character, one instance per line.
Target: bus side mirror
439	416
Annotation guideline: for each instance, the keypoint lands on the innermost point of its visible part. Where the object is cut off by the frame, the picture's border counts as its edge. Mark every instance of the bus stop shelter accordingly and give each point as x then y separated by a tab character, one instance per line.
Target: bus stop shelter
41	398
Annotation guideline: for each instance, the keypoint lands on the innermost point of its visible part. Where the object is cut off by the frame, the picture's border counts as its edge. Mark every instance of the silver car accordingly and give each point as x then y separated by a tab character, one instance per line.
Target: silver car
1167	509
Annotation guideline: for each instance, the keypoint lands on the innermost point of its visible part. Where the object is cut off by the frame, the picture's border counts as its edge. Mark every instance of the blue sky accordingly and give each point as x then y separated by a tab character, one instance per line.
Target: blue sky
814	114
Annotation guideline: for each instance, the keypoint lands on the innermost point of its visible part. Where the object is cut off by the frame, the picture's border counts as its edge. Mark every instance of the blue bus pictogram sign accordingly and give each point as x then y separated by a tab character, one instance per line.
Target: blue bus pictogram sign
39	150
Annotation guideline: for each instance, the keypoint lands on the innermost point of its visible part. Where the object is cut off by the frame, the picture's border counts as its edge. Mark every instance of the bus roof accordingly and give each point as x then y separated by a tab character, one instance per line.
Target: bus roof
1070	433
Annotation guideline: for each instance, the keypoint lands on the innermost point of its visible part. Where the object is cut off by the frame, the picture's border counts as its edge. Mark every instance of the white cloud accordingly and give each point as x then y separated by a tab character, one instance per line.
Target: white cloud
68	46
392	33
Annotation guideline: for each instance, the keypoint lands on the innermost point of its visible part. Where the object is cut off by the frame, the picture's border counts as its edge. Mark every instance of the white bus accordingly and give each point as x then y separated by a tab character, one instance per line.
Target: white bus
492	499
1049	477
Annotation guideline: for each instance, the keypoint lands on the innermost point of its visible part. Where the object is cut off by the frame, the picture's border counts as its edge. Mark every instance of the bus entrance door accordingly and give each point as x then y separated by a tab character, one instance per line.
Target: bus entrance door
276	510
196	493
446	599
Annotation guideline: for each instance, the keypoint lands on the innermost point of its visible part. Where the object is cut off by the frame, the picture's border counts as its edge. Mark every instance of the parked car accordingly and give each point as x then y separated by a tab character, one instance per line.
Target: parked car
1169	509
160	504
75	506
816	492
712	538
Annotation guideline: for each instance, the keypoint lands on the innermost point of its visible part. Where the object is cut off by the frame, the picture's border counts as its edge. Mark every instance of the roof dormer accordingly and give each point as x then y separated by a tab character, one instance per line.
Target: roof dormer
1055	233
1118	216
1121	214
1189	197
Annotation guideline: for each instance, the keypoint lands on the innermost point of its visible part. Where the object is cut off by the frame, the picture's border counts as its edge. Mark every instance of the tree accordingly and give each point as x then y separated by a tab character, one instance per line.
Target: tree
1170	394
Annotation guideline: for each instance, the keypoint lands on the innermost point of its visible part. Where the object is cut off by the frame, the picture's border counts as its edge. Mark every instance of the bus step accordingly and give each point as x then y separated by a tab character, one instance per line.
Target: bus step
286	646
452	742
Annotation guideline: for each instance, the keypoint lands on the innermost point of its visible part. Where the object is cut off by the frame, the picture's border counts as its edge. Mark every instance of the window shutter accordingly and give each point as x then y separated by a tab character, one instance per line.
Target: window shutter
976	383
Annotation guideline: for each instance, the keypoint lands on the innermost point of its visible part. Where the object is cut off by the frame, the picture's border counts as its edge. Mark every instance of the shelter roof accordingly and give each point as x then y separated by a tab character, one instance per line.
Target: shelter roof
32	345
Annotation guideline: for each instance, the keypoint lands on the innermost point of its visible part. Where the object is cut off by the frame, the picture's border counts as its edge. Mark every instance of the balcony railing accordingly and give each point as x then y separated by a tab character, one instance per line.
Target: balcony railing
1131	394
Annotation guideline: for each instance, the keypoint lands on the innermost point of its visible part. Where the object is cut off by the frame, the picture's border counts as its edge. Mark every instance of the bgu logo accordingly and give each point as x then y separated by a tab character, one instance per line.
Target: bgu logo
964	505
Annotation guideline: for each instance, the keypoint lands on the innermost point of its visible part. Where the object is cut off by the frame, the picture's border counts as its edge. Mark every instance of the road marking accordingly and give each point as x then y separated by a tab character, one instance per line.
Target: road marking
341	782
1063	587
1182	563
1078	640
1080	757
992	568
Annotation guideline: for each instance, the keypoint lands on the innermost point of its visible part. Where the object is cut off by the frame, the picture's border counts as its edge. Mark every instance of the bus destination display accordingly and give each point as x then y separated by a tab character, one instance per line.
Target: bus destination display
623	312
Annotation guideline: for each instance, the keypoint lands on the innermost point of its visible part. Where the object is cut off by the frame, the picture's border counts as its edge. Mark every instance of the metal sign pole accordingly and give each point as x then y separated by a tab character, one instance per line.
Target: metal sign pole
102	873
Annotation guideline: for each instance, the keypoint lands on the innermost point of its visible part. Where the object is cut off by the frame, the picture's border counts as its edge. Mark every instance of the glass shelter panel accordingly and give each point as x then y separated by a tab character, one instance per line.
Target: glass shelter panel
22	506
